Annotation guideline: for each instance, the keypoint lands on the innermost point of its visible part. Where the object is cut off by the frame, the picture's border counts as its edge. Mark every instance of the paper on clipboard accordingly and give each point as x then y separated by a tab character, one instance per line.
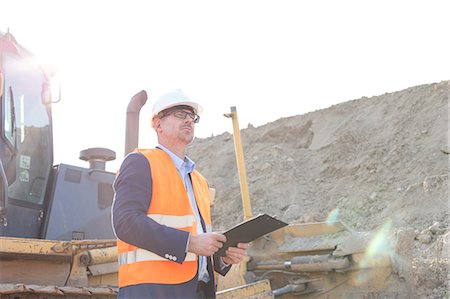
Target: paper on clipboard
250	230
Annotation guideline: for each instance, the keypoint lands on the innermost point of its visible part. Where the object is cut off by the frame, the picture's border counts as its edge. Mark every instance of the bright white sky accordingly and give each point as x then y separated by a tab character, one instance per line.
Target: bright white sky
270	59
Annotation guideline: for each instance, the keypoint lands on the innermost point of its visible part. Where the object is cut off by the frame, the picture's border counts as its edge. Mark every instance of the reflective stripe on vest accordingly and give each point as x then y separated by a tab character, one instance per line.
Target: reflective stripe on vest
173	221
142	255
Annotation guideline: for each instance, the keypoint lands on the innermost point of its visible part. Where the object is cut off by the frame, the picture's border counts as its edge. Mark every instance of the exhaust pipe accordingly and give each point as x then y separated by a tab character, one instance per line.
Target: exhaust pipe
132	121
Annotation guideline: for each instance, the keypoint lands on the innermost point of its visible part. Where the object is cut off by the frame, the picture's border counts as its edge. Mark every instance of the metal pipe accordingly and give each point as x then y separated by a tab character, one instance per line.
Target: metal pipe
240	164
132	121
99	256
290	288
272	265
315	263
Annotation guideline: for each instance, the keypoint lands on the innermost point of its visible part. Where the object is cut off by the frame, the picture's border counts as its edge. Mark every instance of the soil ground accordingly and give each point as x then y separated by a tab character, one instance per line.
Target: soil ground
367	162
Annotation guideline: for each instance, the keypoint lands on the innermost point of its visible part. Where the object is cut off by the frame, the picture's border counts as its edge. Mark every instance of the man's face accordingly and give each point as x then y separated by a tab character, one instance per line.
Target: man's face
176	125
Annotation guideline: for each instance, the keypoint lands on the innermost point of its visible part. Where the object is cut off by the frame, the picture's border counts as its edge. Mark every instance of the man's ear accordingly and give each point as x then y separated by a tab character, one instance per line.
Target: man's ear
156	123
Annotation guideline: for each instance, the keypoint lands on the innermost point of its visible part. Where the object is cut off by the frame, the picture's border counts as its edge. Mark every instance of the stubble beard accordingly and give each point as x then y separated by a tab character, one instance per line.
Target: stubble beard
187	136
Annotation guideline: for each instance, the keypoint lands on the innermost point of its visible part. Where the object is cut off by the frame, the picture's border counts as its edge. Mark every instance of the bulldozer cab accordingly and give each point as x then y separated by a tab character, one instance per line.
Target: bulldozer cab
26	148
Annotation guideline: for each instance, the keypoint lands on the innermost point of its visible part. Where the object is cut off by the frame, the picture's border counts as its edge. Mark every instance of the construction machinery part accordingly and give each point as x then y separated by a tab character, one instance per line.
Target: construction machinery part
47	267
240	164
257	290
132	121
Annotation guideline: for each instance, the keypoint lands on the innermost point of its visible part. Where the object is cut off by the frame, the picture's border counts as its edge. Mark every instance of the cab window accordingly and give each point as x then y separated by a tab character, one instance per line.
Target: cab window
27	128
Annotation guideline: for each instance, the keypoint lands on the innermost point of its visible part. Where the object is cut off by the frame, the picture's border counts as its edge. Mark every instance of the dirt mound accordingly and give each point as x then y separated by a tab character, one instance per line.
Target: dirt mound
367	162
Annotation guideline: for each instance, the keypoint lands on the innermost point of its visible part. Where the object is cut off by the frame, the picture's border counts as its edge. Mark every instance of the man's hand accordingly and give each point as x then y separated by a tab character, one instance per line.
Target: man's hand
206	244
234	255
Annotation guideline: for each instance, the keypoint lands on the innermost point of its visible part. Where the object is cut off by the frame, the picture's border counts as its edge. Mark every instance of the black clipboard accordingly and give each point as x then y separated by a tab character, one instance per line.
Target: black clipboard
250	230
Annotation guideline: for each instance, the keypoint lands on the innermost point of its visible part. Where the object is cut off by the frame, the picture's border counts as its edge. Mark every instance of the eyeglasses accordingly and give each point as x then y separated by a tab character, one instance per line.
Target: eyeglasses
182	115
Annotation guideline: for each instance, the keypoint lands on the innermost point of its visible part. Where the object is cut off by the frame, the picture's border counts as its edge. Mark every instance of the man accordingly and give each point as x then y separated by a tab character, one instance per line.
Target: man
161	214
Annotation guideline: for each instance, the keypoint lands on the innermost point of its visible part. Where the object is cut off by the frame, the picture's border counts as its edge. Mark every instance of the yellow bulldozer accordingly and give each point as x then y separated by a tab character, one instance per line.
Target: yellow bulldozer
56	238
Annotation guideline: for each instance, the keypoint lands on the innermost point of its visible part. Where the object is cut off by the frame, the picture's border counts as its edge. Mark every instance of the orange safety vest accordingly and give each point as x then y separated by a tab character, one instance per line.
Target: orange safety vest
137	265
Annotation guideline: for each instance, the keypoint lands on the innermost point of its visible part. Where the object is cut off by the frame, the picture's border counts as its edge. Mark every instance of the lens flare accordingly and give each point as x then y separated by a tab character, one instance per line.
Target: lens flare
378	252
333	216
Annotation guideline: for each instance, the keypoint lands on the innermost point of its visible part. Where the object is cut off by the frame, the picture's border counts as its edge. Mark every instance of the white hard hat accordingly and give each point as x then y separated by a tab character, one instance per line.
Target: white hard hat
174	98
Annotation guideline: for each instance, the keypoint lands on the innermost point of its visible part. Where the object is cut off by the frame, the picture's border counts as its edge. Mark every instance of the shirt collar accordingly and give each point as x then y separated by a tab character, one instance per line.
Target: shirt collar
182	165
